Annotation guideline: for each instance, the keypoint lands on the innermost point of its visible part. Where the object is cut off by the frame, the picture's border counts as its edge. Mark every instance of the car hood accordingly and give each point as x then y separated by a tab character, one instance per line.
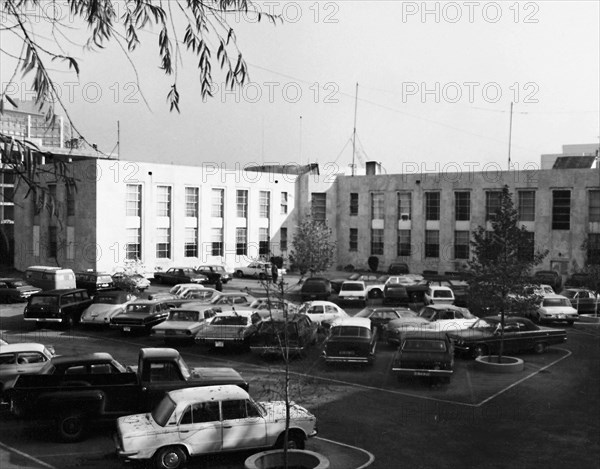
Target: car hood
138	425
221	331
474	334
176	325
100	309
559	310
276	411
28	288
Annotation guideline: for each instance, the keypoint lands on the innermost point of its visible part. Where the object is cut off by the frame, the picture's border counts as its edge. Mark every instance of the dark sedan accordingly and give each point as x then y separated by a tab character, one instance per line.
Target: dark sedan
424	353
268	336
141	315
381	316
520	335
350	340
13	290
177	275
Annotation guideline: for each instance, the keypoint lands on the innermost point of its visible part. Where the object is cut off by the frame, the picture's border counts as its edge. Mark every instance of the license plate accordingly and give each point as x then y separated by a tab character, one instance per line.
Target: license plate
219	343
103	285
561	316
126	329
422	373
346	352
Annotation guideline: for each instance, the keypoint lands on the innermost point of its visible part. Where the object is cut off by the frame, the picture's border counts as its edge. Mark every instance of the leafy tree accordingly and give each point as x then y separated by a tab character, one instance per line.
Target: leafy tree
313	250
501	264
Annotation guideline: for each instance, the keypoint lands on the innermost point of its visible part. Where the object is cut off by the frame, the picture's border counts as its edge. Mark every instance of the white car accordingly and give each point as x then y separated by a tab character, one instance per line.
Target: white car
436	294
106	305
556	308
262	306
182	288
353	291
182	324
22	359
322	313
448	317
209	419
256	269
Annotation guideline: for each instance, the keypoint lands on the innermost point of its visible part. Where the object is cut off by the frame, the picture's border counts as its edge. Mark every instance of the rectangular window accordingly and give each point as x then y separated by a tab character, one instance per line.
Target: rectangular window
284	203
52	241
190	247
353	204
264	204
283	240
377	205
241	201
462	206
432	243
133	244
593	248
561	210
404	243
492	204
70	200
319	206
461	244
526	250
376	242
216	239
263	241
191	202
133	200
51	202
163	243
241	241
163	201
432	206
526	205
217	202
594	213
404	206
353	245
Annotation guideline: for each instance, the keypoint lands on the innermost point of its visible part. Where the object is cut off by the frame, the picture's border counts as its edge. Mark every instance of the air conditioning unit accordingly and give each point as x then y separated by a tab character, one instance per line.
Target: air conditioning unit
405	216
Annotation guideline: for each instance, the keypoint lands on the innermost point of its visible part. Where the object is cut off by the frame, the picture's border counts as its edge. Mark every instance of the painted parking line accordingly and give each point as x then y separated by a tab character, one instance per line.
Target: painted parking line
36	462
356	448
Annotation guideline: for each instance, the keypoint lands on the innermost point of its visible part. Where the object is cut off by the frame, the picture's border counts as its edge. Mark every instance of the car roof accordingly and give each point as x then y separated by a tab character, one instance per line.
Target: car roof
227	392
63	291
82	358
236	312
353	321
425	334
555	296
158	352
24	347
319	303
150	302
356	282
445	307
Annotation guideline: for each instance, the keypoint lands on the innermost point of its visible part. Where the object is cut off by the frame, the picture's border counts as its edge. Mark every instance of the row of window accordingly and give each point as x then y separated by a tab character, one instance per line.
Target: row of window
133	202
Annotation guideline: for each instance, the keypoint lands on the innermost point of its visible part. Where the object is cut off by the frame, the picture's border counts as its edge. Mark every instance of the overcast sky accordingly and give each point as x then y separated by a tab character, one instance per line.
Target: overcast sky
435	83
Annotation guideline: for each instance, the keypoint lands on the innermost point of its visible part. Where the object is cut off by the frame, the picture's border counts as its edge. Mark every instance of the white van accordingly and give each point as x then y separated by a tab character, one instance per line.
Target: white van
439	295
50	278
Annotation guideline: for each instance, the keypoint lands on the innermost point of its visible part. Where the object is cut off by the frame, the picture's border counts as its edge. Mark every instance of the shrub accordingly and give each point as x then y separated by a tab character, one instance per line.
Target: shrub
349	268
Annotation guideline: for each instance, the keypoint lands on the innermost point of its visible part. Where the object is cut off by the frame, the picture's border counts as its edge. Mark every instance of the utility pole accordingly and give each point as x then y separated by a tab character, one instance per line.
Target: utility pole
354	133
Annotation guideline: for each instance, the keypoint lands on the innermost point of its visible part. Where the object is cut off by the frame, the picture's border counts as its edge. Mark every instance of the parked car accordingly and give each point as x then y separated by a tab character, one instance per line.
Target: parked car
322	313
257	269
439	295
227	329
182	324
393	330
212	419
130	282
236	298
373	282
424	353
381	316
404	289
350	340
141	316
201	295
94	282
556	308
353	291
13	290
550	277
460	288
57	306
448	317
583	300
106	304
581	280
520	335
398	268
176	275
268	337
22	359
264	306
315	288
182	288
214	272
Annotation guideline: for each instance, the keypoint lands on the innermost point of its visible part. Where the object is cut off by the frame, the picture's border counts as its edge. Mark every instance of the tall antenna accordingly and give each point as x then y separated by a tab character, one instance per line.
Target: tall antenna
354	133
510	134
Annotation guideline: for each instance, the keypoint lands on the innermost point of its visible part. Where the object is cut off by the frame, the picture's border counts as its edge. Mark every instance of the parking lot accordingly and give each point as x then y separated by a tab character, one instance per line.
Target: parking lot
543	415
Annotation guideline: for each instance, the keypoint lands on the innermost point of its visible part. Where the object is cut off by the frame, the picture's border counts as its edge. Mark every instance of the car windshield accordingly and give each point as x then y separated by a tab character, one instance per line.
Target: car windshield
424	345
350	331
197	294
483	324
555	302
427	313
230	321
163	411
108	299
442	293
104	279
42	300
138	308
190	316
352	287
569	293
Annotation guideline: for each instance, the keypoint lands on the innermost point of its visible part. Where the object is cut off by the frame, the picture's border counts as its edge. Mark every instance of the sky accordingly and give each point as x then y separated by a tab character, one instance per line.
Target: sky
434	82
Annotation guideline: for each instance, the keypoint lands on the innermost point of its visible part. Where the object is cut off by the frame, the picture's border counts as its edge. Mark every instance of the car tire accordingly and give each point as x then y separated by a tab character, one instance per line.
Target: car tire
239	274
479	350
171	457
295	441
69	322
375	293
539	348
570	323
71	426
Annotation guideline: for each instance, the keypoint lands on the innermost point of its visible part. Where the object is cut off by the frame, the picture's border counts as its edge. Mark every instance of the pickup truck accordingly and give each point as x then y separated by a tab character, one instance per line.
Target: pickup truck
76	390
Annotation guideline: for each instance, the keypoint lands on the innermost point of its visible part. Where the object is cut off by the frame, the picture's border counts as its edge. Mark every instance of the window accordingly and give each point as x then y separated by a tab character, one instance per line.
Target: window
594	209
201	412
376	242
404	243
263	241
432	206
432	243
70	200
284	203
216	238
241	241
461	244
283	239
462	206
526	205
593	248
241	200
404	206
492	204
133	244
353	204
52	241
264	204
526	248
191	202
217	203
190	247
163	243
163	201
233	410
133	200
353	246
561	210
377	206
319	206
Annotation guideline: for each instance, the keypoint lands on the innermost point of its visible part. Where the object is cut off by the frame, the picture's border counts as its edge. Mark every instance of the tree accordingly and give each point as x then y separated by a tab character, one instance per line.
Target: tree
313	250
501	264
